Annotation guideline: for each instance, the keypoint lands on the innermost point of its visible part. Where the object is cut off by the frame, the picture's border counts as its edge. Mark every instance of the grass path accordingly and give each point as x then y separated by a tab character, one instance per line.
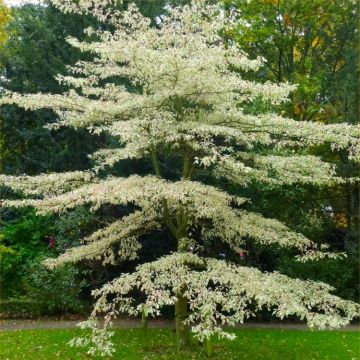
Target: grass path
128	323
251	344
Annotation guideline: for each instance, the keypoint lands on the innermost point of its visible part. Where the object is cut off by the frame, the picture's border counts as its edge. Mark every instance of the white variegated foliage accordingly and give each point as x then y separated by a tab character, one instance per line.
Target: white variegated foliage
222	293
187	99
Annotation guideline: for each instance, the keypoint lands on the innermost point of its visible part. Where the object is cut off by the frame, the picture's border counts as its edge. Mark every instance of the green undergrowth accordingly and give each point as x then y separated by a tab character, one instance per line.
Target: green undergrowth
251	344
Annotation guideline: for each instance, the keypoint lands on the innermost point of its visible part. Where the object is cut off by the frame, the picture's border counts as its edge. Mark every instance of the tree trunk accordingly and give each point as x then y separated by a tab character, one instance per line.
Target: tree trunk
208	347
182	330
145	323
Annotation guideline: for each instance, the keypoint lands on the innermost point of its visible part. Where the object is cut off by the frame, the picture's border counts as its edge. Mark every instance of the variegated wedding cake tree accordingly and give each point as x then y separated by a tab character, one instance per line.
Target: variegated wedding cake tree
184	99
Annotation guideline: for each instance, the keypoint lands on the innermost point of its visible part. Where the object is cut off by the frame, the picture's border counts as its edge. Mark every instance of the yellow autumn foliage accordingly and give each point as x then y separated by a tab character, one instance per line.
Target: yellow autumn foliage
4	18
271	2
296	54
297	109
318	41
339	64
341	220
287	20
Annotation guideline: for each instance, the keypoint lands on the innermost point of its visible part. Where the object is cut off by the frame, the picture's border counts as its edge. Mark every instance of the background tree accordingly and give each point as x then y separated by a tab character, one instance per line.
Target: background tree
316	45
4	18
178	104
312	44
34	53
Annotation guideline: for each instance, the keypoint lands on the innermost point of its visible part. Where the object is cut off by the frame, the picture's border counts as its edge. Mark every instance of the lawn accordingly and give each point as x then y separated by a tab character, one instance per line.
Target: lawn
251	344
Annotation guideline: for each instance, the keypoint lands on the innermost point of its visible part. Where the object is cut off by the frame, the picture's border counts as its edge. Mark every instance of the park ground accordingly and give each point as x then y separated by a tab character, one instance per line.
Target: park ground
45	339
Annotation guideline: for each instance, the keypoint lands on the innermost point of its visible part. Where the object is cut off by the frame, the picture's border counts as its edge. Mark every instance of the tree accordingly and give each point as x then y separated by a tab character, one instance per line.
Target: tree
4	18
181	109
303	42
34	53
316	45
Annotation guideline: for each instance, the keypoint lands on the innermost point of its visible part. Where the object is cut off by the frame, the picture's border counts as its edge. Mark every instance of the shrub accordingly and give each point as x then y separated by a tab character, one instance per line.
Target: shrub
22	239
57	290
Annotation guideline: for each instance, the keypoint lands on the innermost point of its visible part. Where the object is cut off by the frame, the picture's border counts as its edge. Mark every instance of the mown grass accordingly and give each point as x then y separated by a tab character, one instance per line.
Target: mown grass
251	344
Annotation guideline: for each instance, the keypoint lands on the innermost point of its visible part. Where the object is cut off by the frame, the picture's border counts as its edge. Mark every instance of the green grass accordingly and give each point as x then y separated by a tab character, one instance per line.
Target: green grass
251	344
